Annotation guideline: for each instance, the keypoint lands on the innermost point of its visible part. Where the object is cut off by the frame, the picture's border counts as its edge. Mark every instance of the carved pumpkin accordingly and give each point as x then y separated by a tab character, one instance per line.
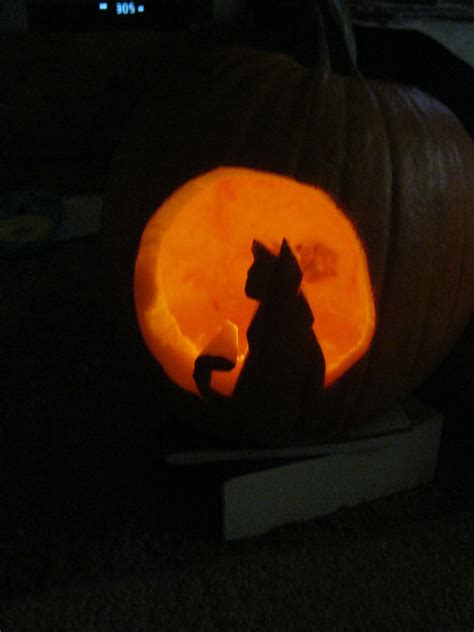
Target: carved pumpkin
397	164
192	264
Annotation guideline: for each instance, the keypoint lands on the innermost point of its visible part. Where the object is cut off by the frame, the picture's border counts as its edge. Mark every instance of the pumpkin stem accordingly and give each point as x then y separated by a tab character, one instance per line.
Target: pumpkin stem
332	46
318	33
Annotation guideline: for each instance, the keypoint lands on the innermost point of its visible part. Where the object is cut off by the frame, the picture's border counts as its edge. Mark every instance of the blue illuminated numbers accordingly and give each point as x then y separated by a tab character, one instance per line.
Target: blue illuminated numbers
123	8
127	8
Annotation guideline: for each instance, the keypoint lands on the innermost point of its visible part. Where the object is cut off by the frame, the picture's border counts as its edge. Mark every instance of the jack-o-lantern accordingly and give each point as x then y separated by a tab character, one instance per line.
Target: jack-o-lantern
372	184
195	252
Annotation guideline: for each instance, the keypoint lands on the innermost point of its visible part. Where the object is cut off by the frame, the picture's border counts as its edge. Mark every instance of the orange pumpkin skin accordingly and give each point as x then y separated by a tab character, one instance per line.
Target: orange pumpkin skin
397	162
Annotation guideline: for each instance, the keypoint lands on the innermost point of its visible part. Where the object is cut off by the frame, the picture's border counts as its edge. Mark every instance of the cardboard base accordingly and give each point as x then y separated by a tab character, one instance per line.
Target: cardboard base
277	487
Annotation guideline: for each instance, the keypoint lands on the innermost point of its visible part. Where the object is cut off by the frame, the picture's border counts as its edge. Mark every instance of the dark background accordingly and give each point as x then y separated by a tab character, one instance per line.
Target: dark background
98	533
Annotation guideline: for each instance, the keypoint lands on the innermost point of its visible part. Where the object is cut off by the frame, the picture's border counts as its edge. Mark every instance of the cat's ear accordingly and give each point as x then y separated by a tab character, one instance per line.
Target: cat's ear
260	273
288	270
261	252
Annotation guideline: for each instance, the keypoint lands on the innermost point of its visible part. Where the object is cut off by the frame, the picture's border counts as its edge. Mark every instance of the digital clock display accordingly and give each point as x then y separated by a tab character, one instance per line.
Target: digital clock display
82	16
122	8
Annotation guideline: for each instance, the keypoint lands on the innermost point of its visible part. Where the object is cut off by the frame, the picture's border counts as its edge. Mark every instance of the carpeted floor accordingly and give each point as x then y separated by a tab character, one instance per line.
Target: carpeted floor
400	563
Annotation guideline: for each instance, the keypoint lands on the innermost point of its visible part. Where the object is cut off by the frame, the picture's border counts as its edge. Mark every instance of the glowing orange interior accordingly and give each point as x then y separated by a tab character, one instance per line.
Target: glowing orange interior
195	251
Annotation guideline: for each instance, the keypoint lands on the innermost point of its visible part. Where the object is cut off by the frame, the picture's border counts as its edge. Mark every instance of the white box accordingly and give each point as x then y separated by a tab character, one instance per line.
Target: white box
400	452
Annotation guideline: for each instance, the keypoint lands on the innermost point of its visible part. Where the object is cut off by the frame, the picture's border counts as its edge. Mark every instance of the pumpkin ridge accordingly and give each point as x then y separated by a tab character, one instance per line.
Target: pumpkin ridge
394	204
313	123
249	71
469	179
345	133
461	272
269	93
364	362
313	90
429	147
233	87
221	78
444	170
380	295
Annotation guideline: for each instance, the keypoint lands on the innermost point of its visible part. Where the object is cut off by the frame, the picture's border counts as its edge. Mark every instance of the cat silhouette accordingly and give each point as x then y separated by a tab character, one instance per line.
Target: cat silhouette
283	374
